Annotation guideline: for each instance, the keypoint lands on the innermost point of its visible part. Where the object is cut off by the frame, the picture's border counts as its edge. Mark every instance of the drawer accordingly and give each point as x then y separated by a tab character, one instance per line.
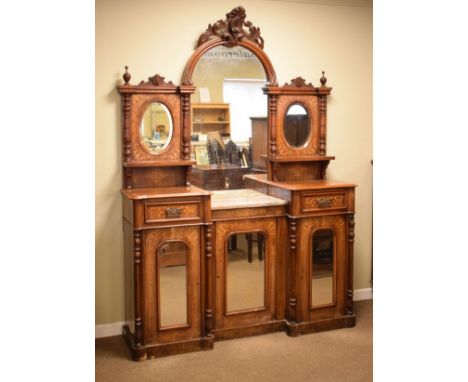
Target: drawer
313	202
158	212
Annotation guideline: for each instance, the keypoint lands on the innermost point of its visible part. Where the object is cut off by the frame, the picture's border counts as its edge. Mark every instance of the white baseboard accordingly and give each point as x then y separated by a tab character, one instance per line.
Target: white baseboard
115	328
108	330
362	294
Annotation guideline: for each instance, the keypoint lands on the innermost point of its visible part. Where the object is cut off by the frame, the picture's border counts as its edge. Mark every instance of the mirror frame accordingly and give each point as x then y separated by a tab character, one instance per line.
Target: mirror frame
135	101
188	87
216	41
169	140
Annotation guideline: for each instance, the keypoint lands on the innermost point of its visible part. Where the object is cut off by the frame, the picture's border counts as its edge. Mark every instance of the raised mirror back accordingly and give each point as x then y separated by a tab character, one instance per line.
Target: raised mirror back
228	100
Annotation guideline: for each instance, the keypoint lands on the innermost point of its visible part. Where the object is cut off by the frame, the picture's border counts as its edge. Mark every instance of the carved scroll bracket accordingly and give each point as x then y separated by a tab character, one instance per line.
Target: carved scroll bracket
232	30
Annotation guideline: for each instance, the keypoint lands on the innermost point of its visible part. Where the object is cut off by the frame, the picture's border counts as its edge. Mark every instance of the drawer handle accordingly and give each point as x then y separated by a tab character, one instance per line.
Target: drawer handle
173	212
324	202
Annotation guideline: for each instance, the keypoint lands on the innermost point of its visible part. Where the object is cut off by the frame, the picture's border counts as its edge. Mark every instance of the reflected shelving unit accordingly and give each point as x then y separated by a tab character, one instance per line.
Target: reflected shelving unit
208	117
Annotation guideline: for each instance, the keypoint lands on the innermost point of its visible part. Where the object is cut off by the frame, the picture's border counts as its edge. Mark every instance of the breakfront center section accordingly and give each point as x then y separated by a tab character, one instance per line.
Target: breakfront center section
249	288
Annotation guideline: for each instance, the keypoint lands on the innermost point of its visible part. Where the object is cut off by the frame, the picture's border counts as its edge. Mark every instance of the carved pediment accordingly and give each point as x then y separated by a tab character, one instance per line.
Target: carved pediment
232	30
156	80
298	82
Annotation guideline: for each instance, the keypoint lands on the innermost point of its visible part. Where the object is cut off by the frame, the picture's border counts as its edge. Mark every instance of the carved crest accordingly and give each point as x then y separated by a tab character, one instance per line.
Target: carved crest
298	82
156	80
232	30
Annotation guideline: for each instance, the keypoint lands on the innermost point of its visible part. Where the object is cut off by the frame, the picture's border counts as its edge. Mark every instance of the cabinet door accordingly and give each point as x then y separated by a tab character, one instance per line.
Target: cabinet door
245	272
171	284
321	272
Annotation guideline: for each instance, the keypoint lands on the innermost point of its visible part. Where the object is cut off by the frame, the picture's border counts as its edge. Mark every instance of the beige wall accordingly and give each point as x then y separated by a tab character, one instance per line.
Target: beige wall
300	38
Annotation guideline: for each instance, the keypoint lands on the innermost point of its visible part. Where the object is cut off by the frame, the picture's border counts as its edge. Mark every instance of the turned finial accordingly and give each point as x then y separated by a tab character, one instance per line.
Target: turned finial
323	79
126	75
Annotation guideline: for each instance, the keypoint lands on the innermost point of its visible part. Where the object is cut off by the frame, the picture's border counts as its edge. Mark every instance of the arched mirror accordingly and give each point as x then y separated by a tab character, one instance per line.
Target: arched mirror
226	106
296	125
156	127
172	266
322	289
245	271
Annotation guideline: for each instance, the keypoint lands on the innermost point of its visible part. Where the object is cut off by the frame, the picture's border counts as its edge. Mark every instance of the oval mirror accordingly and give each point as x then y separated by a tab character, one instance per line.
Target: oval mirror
296	125
156	127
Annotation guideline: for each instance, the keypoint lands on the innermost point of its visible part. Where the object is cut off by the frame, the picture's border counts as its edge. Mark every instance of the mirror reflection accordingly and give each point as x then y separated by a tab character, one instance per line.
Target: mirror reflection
226	107
322	275
156	127
245	271
172	266
296	125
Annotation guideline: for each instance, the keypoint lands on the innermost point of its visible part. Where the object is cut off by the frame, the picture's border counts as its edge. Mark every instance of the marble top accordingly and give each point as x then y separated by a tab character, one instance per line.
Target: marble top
244	198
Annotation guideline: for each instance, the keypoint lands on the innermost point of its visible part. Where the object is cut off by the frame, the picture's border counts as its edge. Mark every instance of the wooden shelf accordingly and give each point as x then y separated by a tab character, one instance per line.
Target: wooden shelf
159	163
210	105
163	192
211	123
315	158
318	184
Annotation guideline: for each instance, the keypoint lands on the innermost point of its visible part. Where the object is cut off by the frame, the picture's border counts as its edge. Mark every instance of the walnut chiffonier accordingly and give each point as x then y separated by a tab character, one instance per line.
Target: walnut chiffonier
272	251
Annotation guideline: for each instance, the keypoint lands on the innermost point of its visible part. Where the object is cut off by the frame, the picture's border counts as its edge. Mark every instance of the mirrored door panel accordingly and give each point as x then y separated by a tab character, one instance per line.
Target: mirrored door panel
172	266
322	291
245	271
171	284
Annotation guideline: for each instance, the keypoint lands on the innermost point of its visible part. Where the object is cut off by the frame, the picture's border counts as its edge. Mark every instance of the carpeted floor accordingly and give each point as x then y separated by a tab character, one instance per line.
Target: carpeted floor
343	355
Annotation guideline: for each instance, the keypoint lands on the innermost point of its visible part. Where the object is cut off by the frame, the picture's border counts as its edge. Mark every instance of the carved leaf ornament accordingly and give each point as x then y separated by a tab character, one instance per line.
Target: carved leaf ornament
298	82
156	80
232	30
